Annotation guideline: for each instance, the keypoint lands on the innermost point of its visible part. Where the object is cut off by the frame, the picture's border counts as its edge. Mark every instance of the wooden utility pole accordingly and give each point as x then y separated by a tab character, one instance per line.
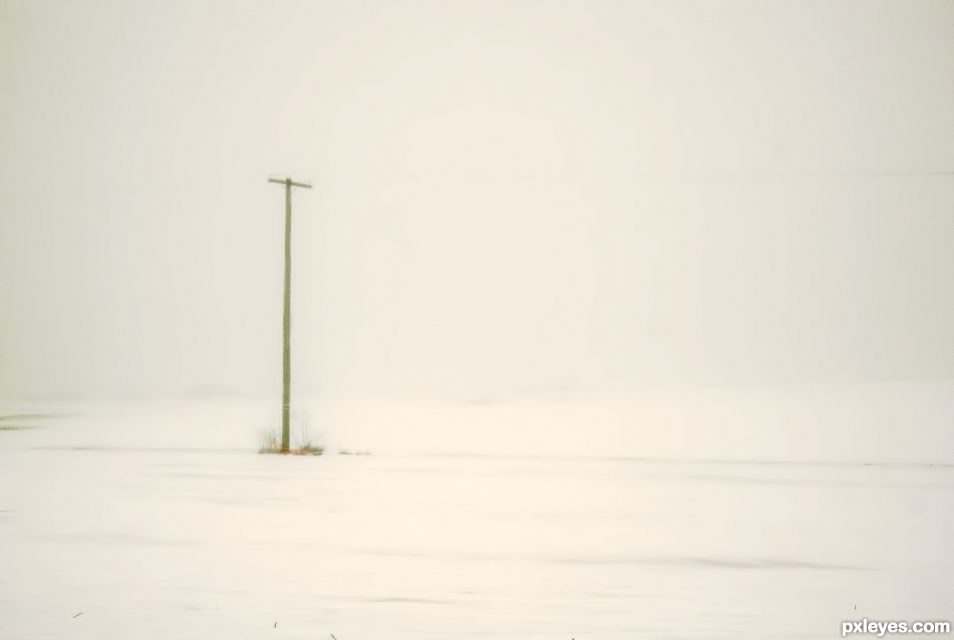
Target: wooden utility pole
286	318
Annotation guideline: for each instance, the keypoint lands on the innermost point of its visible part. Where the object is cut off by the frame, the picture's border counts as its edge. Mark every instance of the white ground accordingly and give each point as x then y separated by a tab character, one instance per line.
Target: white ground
771	513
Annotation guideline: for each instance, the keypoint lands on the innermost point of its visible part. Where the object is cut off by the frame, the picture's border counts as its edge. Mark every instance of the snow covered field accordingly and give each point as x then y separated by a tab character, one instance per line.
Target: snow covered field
760	513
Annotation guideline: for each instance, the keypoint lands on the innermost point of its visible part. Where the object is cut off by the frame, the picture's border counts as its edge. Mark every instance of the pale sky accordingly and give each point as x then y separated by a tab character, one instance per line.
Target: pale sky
509	195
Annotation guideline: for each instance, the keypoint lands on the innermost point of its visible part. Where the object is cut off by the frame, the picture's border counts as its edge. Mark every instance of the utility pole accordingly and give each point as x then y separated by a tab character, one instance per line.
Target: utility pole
286	318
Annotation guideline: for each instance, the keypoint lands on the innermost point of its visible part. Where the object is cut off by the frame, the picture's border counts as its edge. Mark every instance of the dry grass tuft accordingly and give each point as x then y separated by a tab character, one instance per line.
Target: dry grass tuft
301	445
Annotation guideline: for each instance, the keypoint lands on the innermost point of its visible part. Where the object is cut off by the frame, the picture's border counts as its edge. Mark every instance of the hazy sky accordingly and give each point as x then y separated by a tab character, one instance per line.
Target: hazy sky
509	195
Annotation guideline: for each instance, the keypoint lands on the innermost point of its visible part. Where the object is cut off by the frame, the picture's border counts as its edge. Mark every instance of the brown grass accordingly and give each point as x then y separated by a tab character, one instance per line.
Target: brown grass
303	446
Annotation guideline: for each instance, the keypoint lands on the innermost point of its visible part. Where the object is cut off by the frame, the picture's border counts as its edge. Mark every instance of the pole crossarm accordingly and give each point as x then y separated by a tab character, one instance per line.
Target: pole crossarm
290	183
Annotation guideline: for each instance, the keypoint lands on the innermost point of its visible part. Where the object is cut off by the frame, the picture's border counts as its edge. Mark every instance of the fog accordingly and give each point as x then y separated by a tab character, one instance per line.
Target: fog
609	318
510	197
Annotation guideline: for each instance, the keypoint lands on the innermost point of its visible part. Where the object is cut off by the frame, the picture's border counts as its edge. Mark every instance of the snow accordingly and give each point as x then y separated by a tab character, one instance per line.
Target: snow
756	513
